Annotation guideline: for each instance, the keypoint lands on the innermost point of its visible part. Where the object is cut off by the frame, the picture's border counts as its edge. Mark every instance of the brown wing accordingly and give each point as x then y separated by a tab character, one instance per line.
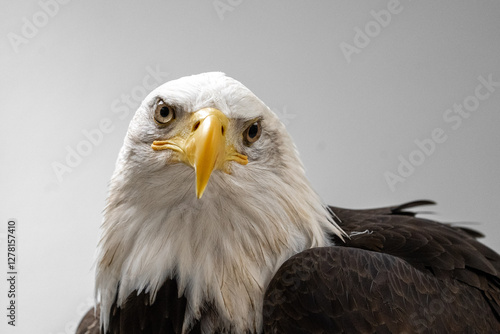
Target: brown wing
139	316
90	322
395	274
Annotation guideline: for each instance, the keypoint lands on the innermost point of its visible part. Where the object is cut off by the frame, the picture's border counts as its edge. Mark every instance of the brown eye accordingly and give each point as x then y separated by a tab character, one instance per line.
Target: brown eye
164	113
252	133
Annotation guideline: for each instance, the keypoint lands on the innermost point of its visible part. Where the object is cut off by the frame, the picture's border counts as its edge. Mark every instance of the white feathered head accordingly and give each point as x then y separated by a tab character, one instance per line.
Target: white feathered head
209	190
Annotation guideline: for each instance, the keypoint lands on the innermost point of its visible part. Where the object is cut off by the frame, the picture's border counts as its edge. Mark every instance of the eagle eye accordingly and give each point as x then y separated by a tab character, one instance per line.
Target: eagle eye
164	113
252	133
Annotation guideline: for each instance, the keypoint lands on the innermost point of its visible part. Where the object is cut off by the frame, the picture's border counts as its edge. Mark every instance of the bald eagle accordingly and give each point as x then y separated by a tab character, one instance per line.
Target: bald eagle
212	227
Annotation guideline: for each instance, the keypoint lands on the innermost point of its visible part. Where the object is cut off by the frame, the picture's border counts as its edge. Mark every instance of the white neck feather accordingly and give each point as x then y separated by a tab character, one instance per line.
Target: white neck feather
222	249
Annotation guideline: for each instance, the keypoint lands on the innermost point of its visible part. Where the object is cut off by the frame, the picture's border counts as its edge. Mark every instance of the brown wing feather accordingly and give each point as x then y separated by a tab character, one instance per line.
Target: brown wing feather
421	242
90	324
396	273
139	316
350	290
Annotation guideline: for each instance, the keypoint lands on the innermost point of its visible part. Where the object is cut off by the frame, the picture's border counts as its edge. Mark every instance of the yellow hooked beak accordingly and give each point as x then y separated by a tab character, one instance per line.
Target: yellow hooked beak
203	146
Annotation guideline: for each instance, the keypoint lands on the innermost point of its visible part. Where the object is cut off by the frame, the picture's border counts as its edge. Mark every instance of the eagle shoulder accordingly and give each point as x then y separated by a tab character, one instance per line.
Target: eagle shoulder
396	273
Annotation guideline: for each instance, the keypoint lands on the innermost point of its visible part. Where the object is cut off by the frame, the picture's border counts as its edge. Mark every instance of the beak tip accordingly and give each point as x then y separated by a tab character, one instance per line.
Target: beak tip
200	189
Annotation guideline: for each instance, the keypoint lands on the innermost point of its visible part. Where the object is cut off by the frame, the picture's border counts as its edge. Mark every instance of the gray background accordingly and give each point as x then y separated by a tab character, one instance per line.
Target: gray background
350	120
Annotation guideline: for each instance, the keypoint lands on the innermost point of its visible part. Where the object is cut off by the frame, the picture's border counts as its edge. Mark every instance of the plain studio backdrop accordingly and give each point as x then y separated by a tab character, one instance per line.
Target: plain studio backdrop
387	101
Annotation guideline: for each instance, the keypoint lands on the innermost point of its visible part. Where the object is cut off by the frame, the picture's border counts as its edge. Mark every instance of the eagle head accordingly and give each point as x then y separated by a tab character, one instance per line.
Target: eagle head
208	190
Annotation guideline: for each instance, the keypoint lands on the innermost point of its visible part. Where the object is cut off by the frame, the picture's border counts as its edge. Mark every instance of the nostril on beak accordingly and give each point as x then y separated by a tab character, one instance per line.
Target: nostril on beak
196	126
